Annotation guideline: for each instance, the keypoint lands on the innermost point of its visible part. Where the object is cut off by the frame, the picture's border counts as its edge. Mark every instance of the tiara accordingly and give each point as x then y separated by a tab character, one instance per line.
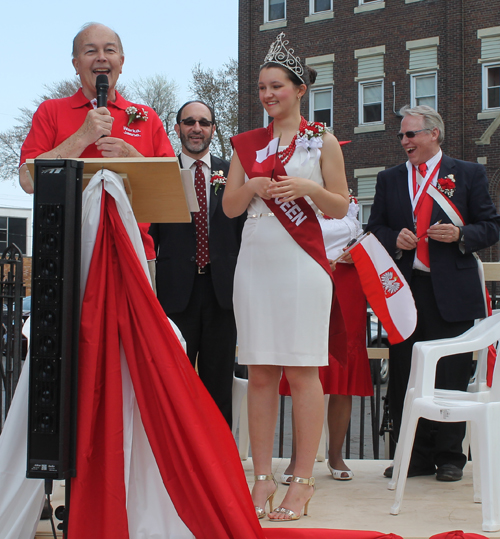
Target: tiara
279	54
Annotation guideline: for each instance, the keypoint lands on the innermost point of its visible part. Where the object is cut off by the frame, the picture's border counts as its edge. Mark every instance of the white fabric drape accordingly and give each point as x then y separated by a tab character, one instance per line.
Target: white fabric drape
151	514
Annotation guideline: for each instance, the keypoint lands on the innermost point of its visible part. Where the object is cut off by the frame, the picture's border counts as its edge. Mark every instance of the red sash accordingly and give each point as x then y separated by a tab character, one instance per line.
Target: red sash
300	221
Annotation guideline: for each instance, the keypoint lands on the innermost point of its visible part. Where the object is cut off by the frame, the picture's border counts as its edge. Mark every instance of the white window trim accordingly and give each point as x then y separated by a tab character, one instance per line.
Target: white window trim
312	12
413	86
266	14
361	84
311	101
372	6
484	105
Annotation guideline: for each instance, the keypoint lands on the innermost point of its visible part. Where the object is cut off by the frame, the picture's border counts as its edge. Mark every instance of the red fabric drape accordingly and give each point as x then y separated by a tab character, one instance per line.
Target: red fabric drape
458	534
192	444
283	533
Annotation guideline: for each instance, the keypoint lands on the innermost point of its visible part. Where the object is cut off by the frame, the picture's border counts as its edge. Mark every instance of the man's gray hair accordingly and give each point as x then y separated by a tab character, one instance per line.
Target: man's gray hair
432	119
74	52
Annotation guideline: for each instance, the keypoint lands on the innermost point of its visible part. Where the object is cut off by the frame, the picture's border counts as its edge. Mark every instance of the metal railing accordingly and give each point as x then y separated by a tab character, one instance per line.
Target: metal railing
369	431
11	294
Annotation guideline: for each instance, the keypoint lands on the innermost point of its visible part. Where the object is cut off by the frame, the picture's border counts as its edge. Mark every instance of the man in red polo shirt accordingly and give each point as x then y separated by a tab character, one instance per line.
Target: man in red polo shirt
75	127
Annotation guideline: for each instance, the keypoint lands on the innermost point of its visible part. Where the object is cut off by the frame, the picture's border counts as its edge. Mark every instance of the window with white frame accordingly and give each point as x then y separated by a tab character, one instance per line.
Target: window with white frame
12	230
371	86
319	6
423	67
321	96
321	105
362	2
274	10
490	61
371	102
491	86
424	90
367	180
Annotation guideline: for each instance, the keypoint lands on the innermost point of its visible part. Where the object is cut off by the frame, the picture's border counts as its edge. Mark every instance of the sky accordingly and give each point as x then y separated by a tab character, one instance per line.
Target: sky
159	37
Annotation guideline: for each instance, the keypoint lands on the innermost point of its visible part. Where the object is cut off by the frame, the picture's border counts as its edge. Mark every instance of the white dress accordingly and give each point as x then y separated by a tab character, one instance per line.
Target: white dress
282	296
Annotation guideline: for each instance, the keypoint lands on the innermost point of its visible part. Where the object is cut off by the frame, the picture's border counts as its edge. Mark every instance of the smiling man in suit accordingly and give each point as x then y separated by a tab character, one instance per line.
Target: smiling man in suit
432	214
196	261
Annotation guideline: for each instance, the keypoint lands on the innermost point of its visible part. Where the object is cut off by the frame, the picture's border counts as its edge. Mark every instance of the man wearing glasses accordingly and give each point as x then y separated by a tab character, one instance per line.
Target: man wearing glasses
196	261
432	214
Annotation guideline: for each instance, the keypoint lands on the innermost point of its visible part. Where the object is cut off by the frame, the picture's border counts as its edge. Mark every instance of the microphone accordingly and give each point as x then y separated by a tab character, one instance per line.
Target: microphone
102	85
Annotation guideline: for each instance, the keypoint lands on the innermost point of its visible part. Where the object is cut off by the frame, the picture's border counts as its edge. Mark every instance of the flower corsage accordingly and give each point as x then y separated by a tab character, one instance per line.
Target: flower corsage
309	139
218	179
136	114
447	185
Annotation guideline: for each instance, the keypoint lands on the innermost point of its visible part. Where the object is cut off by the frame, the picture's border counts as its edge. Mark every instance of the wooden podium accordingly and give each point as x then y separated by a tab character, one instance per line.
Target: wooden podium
156	189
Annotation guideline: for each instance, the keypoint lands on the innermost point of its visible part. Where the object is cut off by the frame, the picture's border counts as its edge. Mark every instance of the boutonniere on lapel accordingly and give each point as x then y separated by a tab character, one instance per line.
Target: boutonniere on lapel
218	179
447	185
136	114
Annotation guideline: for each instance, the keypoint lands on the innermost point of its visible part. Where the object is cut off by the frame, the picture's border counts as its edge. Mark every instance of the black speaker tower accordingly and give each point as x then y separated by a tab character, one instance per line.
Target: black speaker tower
55	316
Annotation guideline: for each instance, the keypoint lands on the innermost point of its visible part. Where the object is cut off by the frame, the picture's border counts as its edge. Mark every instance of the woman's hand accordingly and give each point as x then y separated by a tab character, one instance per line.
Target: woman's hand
261	186
290	188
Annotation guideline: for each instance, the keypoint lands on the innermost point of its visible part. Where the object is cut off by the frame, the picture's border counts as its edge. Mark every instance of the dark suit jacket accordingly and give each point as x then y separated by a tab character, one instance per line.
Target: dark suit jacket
175	245
454	274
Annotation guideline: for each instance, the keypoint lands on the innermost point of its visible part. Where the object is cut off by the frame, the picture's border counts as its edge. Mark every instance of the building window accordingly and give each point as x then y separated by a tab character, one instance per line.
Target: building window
491	86
367	180
370	81
371	106
363	2
424	90
275	10
12	230
321	105
319	6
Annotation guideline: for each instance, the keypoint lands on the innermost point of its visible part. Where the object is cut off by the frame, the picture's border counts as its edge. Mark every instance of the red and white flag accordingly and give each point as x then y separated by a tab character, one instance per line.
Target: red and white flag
385	288
266	157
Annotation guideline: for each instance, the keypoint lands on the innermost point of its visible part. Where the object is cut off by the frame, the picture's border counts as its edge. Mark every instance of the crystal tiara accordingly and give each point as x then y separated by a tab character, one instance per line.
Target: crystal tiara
279	54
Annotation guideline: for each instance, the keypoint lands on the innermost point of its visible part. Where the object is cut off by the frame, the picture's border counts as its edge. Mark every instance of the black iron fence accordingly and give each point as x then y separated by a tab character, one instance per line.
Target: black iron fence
11	350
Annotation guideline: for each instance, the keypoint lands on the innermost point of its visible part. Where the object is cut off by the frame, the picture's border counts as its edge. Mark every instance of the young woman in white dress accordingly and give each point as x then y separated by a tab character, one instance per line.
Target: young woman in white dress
282	296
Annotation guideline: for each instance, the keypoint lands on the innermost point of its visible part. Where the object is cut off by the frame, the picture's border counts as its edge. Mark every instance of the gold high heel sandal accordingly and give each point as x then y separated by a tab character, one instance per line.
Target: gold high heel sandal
261	512
291	515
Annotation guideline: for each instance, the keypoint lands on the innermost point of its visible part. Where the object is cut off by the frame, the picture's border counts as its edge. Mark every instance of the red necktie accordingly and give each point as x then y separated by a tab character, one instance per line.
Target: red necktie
201	217
422	168
423	220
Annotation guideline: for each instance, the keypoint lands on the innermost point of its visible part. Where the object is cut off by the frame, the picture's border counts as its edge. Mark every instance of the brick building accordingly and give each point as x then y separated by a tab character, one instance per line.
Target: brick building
373	57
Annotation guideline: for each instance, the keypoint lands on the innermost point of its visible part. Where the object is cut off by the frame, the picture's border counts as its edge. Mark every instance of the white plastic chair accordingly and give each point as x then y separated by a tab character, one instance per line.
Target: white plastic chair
240	415
480	407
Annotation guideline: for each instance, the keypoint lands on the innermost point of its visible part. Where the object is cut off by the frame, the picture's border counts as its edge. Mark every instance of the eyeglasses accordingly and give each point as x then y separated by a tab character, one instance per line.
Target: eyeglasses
190	122
410	134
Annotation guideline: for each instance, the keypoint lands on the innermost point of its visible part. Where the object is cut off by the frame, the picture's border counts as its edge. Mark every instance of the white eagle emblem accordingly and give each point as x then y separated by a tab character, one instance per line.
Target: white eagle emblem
390	282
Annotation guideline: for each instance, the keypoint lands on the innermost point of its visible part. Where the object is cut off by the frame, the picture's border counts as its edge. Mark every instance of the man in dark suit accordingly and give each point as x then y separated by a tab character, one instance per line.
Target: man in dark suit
445	203
194	274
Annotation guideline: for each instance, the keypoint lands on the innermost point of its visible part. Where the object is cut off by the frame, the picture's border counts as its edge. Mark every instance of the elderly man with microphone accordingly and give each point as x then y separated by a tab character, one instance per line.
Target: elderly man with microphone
96	121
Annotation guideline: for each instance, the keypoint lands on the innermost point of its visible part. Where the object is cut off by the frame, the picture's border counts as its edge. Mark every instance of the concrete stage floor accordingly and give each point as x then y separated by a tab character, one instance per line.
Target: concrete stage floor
429	506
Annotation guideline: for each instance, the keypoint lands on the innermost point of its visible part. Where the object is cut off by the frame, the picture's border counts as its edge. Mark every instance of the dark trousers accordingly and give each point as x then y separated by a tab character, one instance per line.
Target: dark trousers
210	334
435	443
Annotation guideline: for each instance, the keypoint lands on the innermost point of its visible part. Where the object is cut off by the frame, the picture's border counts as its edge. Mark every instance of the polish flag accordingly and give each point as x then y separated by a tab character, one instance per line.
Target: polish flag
385	288
266	158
